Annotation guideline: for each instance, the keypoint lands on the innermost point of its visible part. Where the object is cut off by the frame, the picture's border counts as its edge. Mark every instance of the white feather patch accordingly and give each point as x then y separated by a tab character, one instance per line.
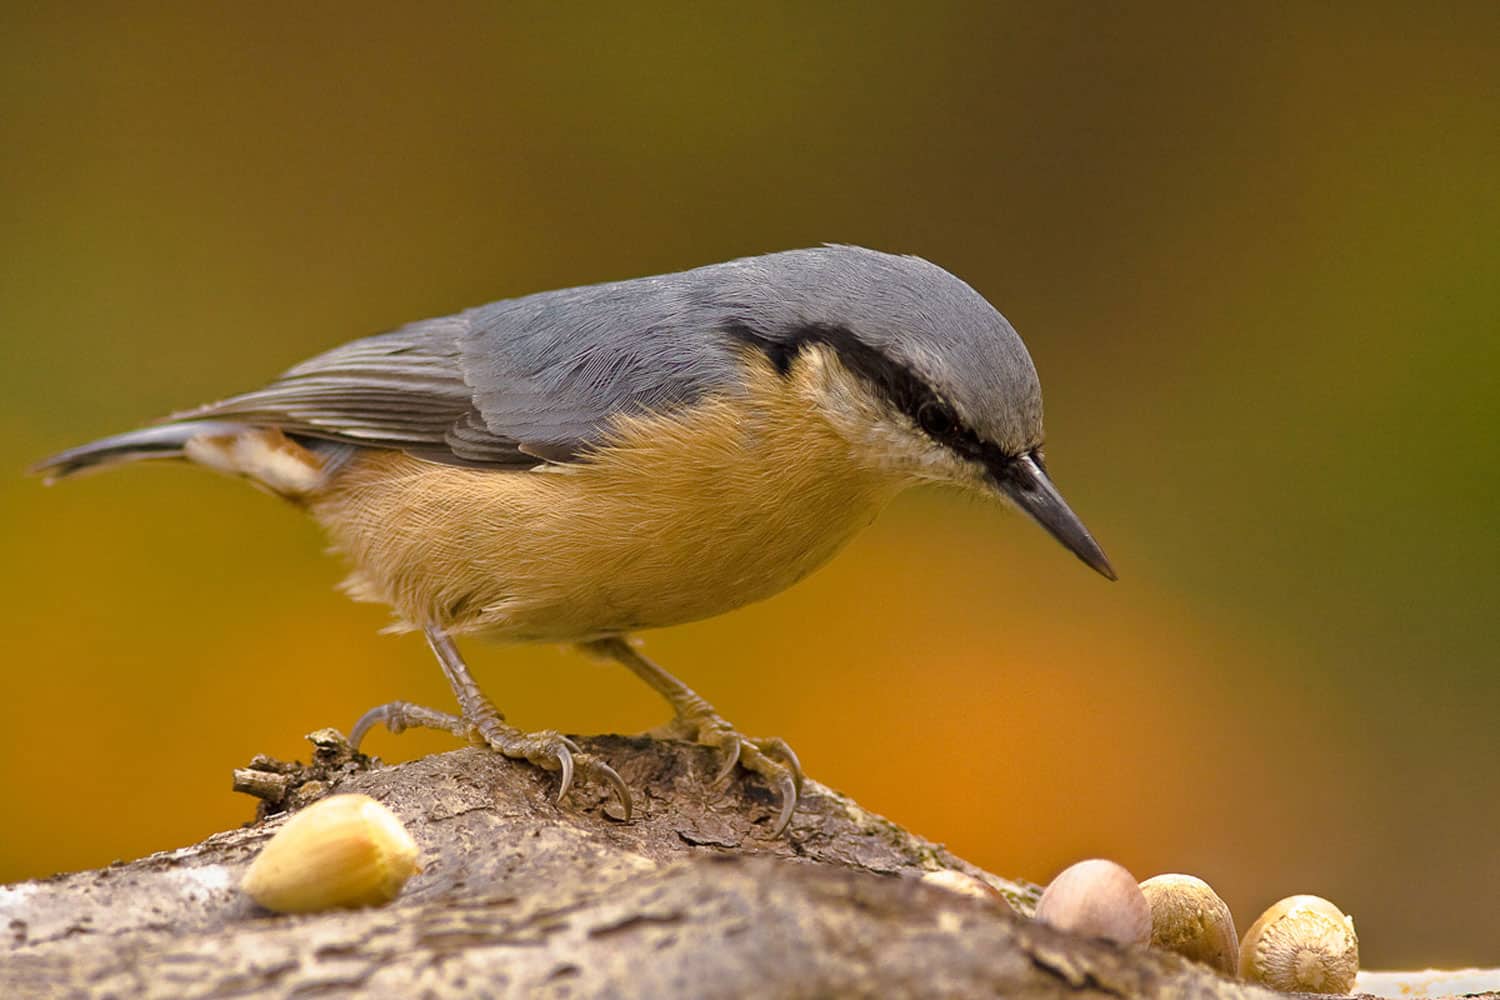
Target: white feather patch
264	455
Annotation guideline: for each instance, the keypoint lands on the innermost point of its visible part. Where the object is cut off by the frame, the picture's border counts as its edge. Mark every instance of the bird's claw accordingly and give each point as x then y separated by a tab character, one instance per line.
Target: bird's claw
570	760
731	754
791	794
771	758
399	716
600	771
553	751
565	761
780	751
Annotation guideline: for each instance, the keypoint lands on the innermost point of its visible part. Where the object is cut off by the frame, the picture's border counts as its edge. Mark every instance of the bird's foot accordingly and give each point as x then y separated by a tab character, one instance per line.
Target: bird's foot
551	751
547	749
769	757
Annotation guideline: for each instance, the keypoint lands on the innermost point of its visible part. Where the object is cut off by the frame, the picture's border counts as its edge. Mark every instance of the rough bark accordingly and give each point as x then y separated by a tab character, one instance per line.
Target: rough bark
523	897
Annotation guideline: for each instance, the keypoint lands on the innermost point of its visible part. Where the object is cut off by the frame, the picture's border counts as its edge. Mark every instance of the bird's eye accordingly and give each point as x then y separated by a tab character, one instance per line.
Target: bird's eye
937	419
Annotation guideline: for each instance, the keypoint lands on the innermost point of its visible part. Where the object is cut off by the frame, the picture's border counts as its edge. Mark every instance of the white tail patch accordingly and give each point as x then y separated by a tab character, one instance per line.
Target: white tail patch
262	454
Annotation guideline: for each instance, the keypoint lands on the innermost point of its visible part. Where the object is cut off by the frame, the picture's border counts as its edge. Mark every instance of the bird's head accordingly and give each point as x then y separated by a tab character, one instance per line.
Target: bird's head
920	373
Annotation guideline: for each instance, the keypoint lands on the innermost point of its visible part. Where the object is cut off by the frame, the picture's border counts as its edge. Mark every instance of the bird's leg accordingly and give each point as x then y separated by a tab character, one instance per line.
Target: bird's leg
481	721
697	721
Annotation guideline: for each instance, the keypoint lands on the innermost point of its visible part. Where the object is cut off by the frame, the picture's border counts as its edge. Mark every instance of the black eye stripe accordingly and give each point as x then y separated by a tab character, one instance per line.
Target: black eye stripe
902	388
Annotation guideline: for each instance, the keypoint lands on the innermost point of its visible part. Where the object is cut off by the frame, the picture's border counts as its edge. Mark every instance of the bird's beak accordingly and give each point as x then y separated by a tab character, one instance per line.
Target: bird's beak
1027	486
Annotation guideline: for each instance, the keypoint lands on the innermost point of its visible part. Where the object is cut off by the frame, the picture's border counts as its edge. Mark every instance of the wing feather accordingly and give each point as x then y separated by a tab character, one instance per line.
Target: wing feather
502	385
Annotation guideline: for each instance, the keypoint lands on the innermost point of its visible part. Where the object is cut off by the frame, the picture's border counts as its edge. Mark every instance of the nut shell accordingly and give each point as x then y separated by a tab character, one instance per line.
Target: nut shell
1097	898
1302	943
1189	918
341	852
965	885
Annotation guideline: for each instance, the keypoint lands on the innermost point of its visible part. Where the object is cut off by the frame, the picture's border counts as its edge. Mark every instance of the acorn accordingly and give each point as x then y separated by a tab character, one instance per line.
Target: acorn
1097	898
1189	918
1301	944
341	852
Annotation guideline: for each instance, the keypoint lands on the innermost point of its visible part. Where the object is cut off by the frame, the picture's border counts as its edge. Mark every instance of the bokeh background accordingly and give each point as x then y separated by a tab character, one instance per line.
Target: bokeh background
1254	254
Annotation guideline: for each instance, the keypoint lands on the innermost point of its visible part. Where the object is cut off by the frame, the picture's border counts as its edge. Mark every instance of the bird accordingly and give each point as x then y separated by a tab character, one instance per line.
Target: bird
579	465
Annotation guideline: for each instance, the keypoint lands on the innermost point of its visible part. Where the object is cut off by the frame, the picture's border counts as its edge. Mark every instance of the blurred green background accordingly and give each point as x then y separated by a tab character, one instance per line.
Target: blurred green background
1254	254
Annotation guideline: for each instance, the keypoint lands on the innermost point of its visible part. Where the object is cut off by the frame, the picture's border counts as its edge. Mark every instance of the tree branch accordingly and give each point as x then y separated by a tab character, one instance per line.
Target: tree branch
522	897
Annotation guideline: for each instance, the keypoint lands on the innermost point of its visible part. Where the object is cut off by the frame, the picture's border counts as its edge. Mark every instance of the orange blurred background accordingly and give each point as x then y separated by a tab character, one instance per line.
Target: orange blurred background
1254	255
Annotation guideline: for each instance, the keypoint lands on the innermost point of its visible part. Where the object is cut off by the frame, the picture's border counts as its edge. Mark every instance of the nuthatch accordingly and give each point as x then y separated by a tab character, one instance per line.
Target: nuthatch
582	464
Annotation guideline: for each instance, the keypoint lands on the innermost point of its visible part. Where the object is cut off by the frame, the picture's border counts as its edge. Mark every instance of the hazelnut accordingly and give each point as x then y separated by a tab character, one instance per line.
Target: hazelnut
1189	918
1097	898
1303	944
340	852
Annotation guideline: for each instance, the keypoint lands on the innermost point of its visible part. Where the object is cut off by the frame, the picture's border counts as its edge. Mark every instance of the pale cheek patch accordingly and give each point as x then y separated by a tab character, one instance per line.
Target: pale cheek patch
937	464
264	455
879	438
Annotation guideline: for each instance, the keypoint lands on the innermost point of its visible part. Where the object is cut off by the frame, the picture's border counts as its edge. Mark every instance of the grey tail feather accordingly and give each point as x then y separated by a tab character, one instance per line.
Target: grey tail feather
162	441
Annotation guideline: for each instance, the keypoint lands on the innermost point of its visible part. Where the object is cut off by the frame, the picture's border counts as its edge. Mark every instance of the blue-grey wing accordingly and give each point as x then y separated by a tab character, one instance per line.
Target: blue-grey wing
506	383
